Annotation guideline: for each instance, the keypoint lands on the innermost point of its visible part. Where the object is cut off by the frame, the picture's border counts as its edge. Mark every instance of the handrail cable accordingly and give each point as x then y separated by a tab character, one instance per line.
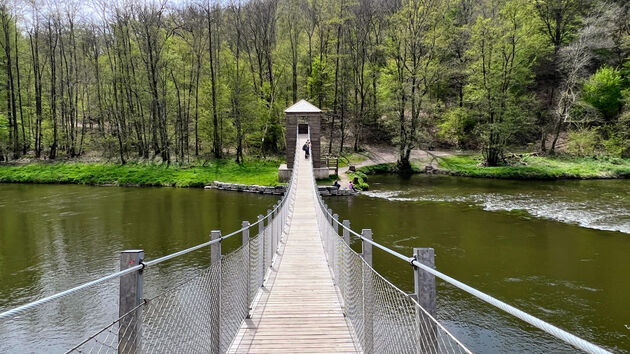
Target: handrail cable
534	321
17	310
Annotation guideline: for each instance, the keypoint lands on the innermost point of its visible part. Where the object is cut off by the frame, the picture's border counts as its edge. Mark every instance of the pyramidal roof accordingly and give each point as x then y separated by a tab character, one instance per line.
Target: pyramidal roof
302	106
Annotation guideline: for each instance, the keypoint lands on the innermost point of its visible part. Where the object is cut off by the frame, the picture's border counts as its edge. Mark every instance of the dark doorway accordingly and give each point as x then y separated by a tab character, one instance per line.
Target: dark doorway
303	128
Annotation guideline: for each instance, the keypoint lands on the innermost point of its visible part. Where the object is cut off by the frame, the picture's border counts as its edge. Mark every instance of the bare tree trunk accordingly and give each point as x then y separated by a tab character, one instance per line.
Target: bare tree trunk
217	150
25	141
34	41
10	81
52	46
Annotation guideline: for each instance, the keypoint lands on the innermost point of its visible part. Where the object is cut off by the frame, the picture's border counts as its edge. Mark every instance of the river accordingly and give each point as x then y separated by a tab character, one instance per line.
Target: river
54	237
559	250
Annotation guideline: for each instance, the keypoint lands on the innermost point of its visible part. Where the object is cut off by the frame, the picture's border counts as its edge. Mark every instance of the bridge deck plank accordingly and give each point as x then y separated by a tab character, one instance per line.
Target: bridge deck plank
298	310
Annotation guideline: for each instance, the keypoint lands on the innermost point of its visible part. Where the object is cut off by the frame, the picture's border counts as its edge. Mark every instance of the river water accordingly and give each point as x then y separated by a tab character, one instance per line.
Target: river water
559	250
54	237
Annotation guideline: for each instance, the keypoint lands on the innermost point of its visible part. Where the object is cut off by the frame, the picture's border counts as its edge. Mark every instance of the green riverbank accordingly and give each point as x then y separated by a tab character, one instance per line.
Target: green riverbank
539	167
259	172
527	168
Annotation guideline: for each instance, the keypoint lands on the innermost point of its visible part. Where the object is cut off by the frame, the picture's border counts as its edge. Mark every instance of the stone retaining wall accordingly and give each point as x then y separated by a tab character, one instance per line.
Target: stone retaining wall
330	190
250	188
277	190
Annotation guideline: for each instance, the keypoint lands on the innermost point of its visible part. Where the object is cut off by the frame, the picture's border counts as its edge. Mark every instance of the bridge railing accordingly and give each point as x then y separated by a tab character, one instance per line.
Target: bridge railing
385	318
200	314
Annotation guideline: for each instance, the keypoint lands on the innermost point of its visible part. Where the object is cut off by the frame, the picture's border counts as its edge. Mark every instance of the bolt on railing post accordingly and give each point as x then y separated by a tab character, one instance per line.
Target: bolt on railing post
424	289
245	227
130	296
368	294
215	295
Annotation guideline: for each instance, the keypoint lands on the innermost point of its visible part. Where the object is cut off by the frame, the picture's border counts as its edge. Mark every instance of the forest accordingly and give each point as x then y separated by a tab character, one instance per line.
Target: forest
179	81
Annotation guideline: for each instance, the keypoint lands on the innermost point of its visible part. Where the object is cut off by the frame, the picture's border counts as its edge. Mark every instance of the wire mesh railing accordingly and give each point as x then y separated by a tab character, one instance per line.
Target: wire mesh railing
204	313
386	319
200	314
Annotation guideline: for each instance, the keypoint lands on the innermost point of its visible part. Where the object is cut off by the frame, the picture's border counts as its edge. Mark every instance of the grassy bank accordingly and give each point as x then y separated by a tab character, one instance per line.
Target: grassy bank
361	174
141	174
351	159
538	167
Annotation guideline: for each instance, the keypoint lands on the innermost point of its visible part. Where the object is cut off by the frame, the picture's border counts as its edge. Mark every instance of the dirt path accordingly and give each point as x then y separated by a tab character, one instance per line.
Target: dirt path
377	154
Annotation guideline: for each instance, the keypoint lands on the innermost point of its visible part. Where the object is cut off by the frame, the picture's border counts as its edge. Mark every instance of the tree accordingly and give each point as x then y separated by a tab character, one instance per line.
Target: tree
415	37
6	22
559	19
574	61
504	45
37	74
603	91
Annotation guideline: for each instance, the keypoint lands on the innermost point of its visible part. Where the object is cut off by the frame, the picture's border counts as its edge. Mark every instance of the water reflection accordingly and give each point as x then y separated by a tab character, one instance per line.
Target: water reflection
56	237
571	276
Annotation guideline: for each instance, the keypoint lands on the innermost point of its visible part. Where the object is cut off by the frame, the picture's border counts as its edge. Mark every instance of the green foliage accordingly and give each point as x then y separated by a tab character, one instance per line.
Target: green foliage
623	131
616	146
504	46
361	180
377	169
352	158
603	91
249	172
536	167
320	82
327	181
583	142
471	74
4	136
456	127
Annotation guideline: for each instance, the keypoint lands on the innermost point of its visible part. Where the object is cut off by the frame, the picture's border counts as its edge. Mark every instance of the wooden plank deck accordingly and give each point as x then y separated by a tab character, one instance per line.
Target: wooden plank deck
298	310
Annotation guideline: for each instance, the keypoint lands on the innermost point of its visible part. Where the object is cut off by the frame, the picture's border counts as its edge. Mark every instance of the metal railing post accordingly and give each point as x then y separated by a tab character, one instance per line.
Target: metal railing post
335	249
366	247
130	296
261	246
215	294
245	237
368	295
344	275
329	235
269	246
285	209
274	234
424	289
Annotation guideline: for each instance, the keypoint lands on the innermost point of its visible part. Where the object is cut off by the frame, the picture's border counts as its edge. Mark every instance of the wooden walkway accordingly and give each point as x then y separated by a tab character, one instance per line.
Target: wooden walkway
298	310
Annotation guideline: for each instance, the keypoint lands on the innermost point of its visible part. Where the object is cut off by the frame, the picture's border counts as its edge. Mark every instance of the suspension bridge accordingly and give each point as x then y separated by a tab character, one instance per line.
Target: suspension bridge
294	285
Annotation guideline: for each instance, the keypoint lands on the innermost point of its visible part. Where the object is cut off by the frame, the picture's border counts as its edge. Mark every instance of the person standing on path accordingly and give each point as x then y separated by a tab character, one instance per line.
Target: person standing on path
307	149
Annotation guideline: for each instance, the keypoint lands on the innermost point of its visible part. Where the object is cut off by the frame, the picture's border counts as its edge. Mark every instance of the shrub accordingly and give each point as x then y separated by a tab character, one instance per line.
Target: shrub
456	126
603	91
582	142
